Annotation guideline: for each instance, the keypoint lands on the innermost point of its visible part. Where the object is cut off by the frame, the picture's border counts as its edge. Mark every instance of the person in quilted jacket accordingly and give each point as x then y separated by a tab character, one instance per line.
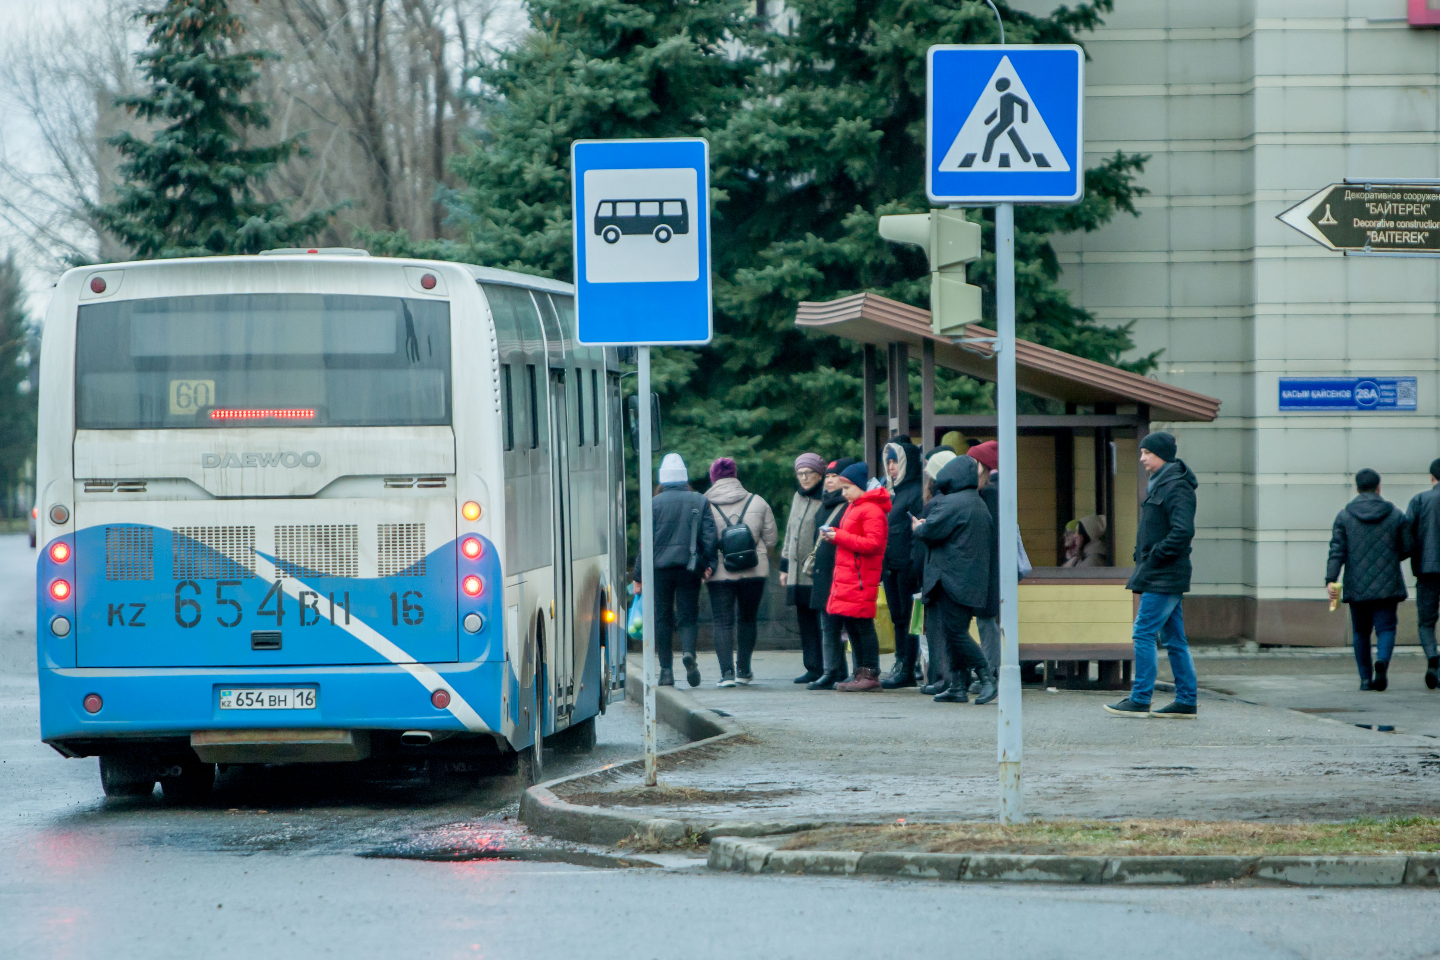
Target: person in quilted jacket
1369	539
859	563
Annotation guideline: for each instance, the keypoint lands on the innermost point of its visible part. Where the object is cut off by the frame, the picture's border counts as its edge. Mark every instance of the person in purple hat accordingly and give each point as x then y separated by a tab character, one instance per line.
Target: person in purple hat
747	533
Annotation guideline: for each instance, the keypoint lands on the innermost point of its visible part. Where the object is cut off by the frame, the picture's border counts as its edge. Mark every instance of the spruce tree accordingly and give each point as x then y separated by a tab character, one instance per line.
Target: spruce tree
837	140
587	69
17	401
190	190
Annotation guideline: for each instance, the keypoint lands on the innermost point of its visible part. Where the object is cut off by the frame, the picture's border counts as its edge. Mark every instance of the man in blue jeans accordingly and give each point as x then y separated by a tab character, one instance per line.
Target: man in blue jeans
1162	578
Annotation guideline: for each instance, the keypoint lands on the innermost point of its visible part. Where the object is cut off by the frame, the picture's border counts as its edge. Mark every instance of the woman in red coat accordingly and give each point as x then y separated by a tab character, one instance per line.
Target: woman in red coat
859	562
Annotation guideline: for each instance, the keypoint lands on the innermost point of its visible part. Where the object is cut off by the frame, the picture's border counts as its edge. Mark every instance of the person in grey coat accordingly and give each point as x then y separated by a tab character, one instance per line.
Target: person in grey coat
1368	540
958	537
797	564
1422	518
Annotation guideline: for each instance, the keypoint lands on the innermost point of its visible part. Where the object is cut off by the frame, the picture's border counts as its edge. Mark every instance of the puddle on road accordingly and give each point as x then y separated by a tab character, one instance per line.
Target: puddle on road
494	840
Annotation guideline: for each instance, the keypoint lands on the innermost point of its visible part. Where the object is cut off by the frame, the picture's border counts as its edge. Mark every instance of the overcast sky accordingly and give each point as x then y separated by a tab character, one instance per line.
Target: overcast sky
18	137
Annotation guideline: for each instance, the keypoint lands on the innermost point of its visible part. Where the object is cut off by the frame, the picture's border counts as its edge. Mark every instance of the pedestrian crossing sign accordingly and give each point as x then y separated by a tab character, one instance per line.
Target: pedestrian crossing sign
1004	124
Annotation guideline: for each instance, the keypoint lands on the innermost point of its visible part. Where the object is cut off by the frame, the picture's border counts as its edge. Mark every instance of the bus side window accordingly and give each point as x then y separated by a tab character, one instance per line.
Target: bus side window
534	407
579	407
508	411
674	208
595	403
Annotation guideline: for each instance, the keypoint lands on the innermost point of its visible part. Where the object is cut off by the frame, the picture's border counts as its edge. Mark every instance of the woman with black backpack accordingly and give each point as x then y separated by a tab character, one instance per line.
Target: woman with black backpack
746	531
684	556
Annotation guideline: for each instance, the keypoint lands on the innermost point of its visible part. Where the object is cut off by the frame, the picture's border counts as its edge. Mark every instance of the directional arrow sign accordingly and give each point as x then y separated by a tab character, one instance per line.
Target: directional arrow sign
1371	218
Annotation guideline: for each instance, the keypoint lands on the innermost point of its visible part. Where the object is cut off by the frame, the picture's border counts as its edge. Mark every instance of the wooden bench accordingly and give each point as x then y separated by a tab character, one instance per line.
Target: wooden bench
1070	616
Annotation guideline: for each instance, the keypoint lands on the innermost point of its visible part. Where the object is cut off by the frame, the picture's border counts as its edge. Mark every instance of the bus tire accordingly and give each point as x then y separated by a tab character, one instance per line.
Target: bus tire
194	783
663	233
126	777
610	234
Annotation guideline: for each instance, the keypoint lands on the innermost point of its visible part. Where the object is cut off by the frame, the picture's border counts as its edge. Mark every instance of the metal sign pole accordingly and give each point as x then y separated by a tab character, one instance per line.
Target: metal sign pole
1008	739
647	564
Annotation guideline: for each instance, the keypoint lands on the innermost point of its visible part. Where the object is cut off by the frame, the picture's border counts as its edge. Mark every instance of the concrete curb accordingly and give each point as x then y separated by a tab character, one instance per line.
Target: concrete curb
544	812
738	855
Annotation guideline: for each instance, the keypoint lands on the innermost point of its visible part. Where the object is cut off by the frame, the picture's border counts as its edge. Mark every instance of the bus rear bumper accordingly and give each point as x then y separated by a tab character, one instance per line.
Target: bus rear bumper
170	704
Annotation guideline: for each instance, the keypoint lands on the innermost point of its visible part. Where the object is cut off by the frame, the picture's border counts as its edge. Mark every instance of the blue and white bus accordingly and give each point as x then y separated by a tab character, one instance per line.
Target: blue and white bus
317	506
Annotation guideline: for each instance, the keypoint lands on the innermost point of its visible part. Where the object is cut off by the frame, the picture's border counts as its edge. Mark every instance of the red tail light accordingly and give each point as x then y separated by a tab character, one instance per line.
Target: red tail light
472	585
59	551
60	590
93	703
470	547
440	699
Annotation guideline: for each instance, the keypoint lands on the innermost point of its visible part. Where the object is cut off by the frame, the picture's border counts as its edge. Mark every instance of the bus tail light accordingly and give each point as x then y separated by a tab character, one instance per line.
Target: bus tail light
60	551
93	703
60	590
471	511
440	699
470	547
608	616
472	585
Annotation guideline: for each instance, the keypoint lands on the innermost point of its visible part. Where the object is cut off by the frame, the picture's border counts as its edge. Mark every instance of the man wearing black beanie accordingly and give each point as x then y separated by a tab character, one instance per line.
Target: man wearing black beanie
1423	520
1162	578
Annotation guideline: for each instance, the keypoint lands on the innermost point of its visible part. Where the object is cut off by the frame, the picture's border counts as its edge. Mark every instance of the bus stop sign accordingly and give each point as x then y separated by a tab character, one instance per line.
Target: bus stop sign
1004	124
642	241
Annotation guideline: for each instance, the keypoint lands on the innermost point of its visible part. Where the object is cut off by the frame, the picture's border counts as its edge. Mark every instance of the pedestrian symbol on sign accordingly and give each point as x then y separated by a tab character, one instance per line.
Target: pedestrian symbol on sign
1004	131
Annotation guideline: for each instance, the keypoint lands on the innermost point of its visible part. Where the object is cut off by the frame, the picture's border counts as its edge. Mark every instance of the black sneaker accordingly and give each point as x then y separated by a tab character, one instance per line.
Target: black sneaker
1432	673
1128	708
692	672
1380	682
1364	684
1176	711
744	677
809	676
667	677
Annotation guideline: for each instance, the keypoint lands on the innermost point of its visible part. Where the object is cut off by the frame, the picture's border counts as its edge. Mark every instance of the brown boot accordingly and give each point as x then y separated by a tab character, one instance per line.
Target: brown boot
865	679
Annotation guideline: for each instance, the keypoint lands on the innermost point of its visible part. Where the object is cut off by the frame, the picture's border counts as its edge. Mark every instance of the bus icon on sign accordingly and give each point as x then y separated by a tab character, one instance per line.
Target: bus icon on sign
661	219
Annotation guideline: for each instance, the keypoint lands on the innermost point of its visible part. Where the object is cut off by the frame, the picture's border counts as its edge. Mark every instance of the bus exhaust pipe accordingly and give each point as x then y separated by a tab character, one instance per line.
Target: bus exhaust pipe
417	738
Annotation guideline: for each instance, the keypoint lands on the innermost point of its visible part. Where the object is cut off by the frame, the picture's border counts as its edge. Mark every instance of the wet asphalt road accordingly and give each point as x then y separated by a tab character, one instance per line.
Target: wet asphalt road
281	865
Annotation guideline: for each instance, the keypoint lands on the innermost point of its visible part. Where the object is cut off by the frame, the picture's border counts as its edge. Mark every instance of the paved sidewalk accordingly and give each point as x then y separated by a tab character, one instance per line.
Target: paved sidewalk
877	756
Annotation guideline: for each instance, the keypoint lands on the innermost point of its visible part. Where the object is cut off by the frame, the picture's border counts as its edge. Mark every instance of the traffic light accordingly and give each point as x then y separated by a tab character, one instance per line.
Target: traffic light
950	241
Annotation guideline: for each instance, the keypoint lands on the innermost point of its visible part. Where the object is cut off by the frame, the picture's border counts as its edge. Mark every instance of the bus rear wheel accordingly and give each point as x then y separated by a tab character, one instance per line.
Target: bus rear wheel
193	781
610	234
126	777
663	233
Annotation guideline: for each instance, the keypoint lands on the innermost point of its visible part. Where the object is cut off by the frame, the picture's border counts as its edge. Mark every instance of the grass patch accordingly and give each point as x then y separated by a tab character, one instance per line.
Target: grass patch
1135	837
657	796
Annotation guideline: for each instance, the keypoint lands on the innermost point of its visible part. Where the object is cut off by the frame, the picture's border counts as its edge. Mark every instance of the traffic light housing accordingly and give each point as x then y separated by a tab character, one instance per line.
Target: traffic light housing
950	242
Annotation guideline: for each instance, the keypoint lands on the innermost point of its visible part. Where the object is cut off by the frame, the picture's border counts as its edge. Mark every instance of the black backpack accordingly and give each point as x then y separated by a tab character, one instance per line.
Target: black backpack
737	543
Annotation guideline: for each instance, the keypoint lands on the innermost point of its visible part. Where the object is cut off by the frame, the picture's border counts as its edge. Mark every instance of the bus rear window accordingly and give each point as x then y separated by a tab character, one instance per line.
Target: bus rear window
262	360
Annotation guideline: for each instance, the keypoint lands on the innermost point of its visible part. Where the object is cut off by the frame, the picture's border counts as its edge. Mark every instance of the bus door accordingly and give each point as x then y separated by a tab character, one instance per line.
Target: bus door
561	657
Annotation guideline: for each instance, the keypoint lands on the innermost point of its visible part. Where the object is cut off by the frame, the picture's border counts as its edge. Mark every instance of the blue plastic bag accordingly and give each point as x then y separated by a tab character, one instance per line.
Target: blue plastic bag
635	619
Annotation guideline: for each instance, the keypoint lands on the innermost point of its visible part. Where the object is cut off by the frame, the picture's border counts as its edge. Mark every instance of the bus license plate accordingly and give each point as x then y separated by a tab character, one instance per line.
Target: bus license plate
268	698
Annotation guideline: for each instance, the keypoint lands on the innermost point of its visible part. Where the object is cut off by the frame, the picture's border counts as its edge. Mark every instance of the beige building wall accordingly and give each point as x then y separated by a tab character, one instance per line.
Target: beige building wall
1244	108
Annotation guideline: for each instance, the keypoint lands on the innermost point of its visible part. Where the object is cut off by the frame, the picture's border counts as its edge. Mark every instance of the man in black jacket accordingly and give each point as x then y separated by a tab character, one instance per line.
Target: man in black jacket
1423	522
902	467
685	544
1162	578
958	536
1369	539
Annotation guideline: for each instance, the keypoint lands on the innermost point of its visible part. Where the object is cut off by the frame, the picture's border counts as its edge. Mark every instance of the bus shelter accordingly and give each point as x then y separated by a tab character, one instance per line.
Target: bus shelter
1082	463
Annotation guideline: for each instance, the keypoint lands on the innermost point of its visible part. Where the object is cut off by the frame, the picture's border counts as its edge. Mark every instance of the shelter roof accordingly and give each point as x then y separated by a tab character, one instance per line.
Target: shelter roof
1043	371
